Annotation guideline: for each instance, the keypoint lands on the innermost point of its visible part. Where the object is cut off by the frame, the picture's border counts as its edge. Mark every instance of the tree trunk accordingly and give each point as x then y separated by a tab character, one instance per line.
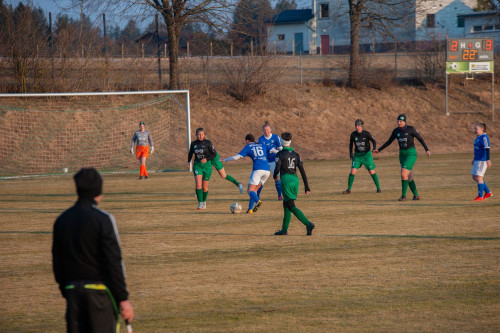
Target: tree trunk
355	21
173	43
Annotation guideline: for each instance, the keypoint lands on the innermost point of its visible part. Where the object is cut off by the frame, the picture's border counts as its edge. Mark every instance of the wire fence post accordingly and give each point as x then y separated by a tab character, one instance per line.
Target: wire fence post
395	61
300	68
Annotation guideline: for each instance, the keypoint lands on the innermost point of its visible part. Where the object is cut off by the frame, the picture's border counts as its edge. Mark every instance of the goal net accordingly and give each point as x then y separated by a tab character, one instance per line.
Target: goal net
56	133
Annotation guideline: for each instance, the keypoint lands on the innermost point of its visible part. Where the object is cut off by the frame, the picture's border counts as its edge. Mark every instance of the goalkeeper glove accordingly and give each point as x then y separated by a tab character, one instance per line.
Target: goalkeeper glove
152	149
131	150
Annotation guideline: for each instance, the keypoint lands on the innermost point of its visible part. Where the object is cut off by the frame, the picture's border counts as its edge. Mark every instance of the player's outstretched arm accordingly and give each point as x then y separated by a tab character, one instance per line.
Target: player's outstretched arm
232	158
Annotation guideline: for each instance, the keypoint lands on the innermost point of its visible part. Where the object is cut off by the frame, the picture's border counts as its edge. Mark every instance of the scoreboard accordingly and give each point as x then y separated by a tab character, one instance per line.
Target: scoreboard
472	49
469	55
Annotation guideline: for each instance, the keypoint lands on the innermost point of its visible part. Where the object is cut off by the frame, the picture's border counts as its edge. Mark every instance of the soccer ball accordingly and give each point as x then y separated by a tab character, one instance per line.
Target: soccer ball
454	66
235	208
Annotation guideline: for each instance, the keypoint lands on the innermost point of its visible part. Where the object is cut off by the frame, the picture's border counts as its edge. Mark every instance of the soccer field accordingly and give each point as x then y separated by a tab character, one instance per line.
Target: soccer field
373	264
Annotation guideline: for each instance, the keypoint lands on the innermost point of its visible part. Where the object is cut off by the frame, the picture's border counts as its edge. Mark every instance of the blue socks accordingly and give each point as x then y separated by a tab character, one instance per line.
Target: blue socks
253	199
278	187
258	191
486	189
480	189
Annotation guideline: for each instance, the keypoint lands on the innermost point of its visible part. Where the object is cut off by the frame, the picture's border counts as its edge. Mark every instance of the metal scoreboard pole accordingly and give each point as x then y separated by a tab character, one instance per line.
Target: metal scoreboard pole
446	99
468	56
493	95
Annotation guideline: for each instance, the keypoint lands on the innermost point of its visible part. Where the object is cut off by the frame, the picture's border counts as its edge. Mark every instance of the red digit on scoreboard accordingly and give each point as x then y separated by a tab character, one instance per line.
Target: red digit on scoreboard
454	45
488	45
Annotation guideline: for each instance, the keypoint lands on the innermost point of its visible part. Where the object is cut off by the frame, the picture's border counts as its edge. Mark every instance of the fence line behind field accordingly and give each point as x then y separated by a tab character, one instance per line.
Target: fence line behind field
108	74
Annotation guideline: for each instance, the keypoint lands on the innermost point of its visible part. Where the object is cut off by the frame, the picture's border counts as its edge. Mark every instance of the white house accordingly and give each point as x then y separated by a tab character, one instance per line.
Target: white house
481	25
291	31
327	31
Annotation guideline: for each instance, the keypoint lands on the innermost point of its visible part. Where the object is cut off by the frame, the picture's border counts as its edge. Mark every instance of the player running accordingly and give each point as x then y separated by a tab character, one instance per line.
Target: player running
273	141
204	157
143	139
481	161
260	172
360	139
287	161
407	154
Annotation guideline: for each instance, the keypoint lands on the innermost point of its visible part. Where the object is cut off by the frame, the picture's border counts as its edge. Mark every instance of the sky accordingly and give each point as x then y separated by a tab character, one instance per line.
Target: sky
63	6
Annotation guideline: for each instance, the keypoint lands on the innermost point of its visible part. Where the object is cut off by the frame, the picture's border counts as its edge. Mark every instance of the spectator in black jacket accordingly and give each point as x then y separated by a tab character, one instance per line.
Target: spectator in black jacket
87	261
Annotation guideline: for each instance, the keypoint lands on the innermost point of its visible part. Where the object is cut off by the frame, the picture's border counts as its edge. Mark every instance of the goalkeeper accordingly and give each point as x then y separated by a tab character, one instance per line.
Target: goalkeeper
143	139
287	161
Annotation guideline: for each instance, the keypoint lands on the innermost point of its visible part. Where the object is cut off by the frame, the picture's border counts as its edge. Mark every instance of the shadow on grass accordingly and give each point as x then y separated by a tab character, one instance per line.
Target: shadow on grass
267	235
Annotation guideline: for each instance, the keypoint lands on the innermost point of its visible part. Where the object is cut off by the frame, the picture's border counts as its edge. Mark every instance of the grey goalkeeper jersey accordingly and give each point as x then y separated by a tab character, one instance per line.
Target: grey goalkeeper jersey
142	139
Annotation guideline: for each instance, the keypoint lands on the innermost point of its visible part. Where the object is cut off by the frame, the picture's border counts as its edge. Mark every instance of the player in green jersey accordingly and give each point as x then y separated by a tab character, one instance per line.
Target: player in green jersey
407	154
287	162
360	139
205	156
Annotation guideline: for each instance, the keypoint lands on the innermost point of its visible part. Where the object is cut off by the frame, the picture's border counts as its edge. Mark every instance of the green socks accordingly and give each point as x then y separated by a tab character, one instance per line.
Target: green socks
404	187
375	180
350	181
302	218
199	195
205	195
413	188
288	216
232	180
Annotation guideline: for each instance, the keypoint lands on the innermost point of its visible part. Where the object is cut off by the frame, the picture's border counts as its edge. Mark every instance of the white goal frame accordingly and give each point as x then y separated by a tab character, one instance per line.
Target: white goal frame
186	108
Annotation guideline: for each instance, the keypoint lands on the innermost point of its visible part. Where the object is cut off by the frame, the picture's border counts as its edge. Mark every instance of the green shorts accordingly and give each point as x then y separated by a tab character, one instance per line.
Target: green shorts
216	163
289	186
361	159
407	158
203	169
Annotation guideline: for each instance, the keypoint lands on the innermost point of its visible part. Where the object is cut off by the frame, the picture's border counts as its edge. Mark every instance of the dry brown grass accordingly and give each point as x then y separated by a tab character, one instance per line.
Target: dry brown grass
372	264
320	115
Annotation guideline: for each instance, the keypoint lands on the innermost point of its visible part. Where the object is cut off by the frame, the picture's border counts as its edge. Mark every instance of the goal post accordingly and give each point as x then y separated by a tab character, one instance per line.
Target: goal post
54	133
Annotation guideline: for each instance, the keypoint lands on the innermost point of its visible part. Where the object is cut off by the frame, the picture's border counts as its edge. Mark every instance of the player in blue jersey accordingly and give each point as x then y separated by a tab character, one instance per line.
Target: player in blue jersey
260	171
273	141
481	161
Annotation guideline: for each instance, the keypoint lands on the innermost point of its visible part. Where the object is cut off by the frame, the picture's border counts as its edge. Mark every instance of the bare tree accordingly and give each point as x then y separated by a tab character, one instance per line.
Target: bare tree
387	18
250	76
249	24
215	14
488	5
22	37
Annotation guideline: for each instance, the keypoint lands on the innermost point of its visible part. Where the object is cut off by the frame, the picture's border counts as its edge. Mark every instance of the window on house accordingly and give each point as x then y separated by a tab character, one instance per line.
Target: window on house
281	37
497	26
477	28
488	28
460	22
431	20
323	10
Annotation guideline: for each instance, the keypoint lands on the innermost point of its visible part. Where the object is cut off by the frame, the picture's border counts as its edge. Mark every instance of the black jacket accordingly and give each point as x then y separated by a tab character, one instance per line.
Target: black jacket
86	248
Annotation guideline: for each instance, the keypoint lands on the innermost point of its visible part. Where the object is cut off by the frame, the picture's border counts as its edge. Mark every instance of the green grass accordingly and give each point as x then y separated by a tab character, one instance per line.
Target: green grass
372	264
